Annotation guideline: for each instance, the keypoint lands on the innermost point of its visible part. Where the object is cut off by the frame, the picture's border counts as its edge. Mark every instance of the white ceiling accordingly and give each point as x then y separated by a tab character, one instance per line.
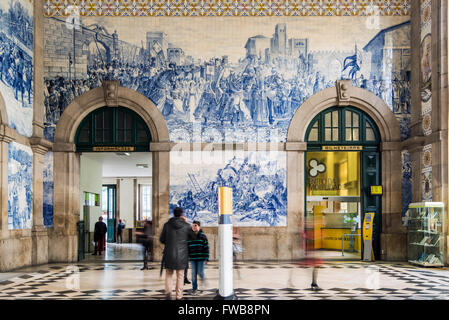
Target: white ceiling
120	165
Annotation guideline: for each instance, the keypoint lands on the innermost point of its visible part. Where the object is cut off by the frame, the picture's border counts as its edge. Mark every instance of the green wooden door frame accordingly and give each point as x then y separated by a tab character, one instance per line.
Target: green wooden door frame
111	210
364	124
370	160
86	137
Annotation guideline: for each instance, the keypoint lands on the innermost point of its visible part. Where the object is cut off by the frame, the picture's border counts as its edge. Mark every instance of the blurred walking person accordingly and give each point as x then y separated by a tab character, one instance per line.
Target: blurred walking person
311	257
146	239
236	249
175	234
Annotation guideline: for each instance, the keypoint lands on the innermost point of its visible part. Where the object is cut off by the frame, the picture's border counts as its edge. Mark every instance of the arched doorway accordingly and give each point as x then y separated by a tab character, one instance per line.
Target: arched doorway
342	162
106	135
393	235
73	126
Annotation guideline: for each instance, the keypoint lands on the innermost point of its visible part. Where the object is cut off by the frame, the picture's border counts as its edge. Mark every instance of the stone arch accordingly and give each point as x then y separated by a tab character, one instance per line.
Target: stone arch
3	112
63	239
79	108
344	94
362	99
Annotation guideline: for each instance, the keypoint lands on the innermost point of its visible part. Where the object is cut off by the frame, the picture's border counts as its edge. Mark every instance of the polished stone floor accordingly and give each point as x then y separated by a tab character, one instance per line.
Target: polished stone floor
131	252
252	280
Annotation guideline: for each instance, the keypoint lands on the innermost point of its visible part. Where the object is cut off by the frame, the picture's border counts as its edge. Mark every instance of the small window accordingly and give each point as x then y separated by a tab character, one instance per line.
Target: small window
351	126
342	125
313	135
145	202
331	126
85	133
113	127
369	135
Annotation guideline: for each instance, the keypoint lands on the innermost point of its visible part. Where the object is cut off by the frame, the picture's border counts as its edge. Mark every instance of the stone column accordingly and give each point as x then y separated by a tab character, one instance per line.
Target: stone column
296	152
39	237
394	236
7	257
161	191
5	139
63	240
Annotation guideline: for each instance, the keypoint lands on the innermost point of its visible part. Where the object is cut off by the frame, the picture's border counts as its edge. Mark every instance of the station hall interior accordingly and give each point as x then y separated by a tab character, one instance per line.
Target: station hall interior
329	123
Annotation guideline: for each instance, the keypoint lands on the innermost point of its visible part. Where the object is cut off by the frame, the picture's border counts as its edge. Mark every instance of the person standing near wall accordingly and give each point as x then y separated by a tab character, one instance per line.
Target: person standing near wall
198	255
175	234
120	227
99	235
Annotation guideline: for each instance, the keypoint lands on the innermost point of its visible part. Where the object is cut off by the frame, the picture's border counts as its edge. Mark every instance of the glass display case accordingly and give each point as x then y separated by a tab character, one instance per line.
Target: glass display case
425	234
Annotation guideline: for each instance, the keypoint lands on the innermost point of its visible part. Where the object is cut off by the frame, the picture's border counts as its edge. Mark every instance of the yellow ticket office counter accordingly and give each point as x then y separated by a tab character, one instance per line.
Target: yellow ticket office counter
331	239
330	227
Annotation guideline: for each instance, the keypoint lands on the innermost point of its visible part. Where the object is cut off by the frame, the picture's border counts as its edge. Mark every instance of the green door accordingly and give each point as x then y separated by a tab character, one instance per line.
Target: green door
109	210
371	177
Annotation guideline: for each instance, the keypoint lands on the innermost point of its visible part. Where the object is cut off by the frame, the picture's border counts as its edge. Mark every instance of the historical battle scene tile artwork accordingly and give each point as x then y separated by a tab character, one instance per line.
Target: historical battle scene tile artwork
227	79
20	186
16	63
258	180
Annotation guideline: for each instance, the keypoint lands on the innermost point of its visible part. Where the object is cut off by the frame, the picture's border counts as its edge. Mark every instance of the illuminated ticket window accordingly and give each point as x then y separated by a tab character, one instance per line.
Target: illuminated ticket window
333	173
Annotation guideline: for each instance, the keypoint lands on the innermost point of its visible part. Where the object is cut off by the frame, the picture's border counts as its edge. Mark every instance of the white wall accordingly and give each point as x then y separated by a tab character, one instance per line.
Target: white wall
127	196
90	181
127	201
148	181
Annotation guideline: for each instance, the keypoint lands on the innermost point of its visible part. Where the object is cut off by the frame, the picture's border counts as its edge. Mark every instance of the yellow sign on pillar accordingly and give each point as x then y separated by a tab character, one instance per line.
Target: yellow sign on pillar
225	200
368	254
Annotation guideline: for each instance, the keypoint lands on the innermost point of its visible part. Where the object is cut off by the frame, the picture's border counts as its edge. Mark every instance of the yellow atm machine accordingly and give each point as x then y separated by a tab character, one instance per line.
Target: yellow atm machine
368	254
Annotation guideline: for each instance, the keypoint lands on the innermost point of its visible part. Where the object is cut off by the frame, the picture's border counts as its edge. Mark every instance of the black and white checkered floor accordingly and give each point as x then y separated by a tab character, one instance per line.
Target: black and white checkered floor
252	280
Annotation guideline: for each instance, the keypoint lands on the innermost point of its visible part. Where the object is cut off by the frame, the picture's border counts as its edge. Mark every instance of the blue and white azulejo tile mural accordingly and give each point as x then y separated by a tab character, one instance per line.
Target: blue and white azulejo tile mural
407	183
227	79
48	189
258	180
20	186
16	63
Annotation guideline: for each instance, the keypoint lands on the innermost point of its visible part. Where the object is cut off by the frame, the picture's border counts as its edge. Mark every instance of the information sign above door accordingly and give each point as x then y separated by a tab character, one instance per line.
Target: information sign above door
342	148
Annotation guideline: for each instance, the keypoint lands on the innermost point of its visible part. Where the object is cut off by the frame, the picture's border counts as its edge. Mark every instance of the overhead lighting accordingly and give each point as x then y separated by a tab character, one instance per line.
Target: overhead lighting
142	165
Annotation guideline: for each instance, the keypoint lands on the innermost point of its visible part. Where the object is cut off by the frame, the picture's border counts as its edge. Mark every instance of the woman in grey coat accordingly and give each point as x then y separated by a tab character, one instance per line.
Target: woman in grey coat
175	234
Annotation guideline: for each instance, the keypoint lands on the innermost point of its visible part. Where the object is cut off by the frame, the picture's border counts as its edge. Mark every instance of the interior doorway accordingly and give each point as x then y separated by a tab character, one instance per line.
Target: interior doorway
333	204
108	209
114	161
342	163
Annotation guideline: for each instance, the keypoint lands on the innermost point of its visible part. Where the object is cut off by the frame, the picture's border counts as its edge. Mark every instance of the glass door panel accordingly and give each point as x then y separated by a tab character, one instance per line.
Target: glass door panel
109	210
333	208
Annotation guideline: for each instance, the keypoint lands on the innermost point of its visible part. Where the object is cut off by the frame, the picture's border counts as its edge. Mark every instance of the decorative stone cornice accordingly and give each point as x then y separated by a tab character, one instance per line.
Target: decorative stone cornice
412	144
110	88
38	124
64	147
343	96
390	146
40	145
295	146
160	146
6	134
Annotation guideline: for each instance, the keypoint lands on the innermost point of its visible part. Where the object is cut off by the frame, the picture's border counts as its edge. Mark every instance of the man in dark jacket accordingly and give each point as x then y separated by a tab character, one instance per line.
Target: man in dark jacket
198	254
175	234
99	235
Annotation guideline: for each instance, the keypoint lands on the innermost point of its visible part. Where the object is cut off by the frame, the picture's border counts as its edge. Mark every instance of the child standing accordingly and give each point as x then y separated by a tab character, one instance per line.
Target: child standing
198	254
